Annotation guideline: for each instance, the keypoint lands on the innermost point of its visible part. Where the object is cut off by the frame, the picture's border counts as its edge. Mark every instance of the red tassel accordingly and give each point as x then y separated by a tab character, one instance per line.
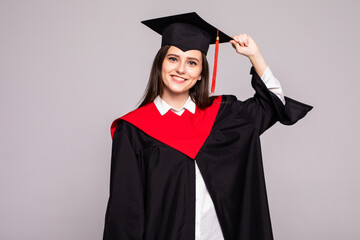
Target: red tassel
215	63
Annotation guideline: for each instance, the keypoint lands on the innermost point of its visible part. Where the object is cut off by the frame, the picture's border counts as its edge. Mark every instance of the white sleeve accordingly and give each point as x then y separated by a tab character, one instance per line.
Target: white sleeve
273	84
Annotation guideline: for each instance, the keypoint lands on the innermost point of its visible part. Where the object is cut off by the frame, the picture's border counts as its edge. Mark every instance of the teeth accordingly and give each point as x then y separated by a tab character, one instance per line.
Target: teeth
178	78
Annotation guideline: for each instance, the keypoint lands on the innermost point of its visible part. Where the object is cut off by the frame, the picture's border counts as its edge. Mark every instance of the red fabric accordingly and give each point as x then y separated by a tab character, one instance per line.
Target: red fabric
213	82
186	133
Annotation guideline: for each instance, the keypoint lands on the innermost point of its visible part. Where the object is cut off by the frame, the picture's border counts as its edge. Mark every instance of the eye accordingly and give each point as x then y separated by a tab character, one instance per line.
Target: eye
172	59
192	63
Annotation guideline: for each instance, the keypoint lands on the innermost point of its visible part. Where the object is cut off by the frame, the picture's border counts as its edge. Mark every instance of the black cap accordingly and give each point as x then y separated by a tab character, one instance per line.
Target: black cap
186	31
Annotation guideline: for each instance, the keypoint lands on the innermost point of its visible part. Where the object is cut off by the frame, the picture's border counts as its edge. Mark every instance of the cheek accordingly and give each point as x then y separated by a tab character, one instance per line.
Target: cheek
196	73
164	70
166	67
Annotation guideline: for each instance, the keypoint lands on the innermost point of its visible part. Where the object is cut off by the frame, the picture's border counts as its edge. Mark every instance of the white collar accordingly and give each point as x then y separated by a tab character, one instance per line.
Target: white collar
163	107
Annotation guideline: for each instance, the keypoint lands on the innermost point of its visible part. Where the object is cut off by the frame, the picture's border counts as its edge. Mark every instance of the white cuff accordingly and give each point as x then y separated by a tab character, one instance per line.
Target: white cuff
273	84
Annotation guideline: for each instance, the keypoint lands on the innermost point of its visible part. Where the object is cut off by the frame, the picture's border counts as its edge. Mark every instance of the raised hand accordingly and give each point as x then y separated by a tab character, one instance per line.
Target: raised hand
246	46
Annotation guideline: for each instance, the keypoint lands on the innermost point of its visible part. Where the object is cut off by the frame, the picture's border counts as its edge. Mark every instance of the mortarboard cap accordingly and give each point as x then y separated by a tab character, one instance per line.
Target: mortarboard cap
186	31
189	32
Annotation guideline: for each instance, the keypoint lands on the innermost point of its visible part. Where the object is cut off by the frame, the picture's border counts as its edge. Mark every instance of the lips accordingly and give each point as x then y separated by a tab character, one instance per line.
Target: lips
178	79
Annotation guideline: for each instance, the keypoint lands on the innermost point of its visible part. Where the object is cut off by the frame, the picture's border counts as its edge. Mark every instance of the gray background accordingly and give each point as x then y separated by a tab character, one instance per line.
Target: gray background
68	68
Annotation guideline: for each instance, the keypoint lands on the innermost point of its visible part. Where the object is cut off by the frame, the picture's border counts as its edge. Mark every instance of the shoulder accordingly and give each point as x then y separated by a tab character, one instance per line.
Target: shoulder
225	104
119	126
228	99
137	115
228	105
222	99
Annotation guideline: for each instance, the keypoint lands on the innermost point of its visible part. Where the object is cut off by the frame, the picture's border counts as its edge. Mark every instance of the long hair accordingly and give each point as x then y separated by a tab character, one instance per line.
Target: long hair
199	93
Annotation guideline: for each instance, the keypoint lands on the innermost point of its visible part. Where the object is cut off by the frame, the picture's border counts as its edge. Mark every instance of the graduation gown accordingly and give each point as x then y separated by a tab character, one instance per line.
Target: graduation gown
152	180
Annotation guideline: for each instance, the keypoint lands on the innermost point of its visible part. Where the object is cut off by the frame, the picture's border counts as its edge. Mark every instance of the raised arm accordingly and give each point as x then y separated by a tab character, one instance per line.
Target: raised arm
265	108
246	46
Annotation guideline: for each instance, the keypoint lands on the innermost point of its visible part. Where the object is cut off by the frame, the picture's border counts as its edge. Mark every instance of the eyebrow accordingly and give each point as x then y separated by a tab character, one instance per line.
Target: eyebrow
191	58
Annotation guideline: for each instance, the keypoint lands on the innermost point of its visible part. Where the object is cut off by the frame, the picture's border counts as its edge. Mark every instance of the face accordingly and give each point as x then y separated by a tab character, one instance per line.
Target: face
181	70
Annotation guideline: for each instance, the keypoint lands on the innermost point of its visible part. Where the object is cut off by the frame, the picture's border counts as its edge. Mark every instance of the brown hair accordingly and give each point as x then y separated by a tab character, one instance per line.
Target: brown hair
199	93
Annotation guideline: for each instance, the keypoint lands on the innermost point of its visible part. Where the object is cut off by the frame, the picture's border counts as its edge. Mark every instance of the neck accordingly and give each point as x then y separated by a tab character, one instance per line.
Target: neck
175	100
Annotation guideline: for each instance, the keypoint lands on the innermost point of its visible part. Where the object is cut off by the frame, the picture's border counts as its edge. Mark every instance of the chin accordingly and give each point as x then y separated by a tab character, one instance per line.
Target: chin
177	91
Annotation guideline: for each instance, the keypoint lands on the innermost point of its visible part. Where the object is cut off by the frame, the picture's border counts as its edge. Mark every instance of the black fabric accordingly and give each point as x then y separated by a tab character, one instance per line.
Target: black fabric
152	188
186	31
186	37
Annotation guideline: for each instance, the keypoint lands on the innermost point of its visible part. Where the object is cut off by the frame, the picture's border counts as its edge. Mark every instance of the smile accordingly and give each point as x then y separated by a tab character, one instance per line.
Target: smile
178	79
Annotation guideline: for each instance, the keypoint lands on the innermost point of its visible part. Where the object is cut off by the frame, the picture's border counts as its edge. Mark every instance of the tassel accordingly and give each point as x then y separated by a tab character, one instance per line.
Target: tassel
215	63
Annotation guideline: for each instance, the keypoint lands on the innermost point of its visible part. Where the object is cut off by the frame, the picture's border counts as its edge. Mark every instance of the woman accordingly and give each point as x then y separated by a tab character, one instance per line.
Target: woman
188	166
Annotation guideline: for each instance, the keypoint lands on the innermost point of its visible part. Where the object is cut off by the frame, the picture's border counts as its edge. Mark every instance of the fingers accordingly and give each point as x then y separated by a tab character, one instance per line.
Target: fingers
244	45
242	39
235	45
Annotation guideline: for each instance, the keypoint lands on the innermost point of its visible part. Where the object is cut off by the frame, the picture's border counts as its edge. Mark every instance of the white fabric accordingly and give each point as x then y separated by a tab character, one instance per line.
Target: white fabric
163	107
207	225
273	84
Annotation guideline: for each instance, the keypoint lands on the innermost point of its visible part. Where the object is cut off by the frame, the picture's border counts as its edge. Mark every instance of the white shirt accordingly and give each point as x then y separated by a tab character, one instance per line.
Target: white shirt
207	225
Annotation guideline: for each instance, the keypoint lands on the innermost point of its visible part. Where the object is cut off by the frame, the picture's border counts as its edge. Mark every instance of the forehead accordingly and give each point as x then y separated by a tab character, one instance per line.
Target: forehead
188	54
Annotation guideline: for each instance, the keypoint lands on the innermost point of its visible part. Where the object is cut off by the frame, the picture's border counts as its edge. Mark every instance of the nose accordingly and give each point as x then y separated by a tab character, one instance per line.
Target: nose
180	67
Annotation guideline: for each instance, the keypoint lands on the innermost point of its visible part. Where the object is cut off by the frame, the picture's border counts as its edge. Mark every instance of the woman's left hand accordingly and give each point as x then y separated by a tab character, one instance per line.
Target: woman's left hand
245	45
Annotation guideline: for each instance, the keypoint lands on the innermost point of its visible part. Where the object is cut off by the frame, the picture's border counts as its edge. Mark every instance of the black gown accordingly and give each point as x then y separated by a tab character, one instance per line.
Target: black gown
152	185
